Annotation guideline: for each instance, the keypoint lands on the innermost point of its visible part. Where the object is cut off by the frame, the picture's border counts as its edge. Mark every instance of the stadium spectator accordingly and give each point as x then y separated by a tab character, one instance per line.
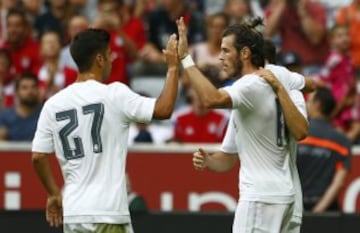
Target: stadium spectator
348	16
238	10
197	124
18	123
23	48
6	80
123	47
338	74
5	5
302	27
77	23
53	76
324	157
98	138
161	24
207	53
55	18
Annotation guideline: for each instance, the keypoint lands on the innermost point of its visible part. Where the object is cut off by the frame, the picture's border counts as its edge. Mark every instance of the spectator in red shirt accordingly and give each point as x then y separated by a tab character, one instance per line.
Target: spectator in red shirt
6	80
124	49
23	49
338	74
302	28
53	76
198	124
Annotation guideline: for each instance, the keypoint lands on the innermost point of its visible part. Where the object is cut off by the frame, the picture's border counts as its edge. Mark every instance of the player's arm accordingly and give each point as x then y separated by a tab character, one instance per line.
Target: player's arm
217	162
310	85
331	192
165	103
208	94
295	121
42	168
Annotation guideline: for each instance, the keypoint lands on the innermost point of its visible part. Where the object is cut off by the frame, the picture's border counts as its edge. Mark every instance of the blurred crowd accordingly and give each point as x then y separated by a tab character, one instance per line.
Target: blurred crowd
317	38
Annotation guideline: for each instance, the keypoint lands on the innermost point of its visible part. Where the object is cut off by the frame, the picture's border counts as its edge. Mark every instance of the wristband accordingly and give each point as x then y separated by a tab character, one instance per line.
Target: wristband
187	62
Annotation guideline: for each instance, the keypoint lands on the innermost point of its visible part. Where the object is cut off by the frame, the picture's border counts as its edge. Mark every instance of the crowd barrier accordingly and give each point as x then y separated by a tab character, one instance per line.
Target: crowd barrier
175	222
163	175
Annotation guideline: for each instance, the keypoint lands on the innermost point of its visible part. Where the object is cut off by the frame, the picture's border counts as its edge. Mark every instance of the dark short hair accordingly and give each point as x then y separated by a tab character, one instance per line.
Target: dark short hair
26	76
247	36
86	44
17	12
326	99
269	51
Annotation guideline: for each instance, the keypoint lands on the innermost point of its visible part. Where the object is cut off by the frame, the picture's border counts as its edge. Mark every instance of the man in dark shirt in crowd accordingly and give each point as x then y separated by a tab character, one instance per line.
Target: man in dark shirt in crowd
18	123
323	157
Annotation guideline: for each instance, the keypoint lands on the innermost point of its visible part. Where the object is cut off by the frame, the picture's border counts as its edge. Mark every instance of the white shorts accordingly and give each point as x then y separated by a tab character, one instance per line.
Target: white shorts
256	217
97	228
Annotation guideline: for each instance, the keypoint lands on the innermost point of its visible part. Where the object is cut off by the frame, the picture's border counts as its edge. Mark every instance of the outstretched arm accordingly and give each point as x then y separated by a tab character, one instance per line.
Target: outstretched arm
295	121
165	103
208	94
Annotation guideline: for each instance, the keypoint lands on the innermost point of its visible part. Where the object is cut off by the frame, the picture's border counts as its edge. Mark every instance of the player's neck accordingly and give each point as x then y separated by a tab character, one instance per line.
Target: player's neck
249	69
85	76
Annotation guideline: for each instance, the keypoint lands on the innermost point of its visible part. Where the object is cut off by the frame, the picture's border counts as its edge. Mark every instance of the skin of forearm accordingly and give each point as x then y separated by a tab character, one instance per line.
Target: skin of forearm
313	31
295	121
219	162
43	170
165	103
208	94
331	193
274	20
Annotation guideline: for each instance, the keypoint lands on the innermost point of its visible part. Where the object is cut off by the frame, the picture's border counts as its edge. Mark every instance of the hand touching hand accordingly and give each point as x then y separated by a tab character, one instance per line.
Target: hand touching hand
54	211
183	47
200	159
171	55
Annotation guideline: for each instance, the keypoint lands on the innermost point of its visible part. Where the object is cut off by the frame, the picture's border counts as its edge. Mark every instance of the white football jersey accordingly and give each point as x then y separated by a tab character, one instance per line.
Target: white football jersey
87	124
299	101
261	139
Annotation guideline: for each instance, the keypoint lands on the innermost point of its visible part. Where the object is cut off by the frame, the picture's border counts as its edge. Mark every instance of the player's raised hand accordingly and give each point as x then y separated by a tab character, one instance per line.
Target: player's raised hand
54	210
171	55
270	78
200	158
183	47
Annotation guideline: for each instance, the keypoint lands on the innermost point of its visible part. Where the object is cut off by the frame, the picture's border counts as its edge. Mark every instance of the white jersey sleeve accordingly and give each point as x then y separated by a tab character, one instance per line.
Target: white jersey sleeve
242	90
299	101
134	106
291	80
228	144
43	139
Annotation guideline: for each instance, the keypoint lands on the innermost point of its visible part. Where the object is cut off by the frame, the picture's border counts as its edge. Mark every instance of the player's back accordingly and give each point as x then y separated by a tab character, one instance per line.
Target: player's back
89	124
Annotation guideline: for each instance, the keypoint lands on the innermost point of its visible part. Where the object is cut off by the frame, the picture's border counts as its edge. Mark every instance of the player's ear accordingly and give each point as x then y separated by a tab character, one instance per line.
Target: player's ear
99	59
245	53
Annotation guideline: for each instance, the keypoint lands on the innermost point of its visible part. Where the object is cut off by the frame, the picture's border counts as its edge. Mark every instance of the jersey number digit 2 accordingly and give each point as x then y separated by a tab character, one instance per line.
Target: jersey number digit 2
78	152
